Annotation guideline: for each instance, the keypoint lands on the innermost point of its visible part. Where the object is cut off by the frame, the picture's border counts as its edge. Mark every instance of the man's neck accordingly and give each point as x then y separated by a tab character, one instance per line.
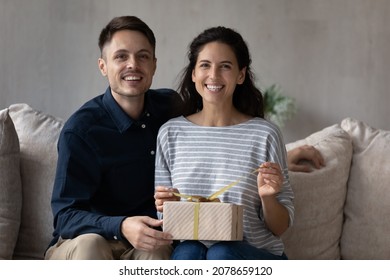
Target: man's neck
131	105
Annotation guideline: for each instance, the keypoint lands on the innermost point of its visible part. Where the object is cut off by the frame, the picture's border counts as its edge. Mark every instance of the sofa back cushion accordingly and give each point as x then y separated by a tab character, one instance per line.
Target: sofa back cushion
10	186
38	135
366	233
319	198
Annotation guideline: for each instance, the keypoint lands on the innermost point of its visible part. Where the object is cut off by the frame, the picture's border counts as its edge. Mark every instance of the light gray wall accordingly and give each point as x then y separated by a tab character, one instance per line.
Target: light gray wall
331	56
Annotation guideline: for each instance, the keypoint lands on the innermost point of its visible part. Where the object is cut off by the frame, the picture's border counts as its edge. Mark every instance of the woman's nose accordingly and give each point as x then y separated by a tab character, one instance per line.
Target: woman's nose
213	72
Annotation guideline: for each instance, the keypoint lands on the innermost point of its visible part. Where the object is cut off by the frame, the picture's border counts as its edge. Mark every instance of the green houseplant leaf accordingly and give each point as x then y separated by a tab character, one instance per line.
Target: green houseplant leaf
278	108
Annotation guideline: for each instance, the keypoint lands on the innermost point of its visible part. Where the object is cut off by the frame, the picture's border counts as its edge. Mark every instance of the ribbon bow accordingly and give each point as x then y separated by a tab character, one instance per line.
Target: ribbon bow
213	197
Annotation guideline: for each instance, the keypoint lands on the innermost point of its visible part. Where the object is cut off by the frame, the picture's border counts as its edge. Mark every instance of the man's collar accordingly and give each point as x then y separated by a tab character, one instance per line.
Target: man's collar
118	116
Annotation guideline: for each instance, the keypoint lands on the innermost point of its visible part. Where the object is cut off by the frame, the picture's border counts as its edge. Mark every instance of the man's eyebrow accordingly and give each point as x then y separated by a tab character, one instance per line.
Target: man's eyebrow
121	51
145	51
139	51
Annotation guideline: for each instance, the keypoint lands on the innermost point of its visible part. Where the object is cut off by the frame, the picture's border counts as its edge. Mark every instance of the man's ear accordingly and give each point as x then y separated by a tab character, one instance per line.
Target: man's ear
102	66
155	65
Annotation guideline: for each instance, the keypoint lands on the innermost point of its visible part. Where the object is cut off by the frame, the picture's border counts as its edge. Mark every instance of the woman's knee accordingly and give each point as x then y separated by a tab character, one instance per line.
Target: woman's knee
223	251
189	250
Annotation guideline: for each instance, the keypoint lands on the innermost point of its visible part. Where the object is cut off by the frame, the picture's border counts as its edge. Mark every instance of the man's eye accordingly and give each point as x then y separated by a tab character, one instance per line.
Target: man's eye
144	56
120	57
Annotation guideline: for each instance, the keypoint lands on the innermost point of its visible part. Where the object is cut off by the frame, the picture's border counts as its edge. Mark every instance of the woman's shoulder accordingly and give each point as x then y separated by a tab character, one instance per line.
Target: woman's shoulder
263	122
176	122
264	125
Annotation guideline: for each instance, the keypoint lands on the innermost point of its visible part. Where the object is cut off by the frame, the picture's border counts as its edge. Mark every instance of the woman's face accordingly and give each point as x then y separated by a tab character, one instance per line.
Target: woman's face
216	74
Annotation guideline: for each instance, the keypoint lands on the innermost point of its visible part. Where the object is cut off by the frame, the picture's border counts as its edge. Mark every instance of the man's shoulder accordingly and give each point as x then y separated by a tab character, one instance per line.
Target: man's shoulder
164	101
89	113
162	94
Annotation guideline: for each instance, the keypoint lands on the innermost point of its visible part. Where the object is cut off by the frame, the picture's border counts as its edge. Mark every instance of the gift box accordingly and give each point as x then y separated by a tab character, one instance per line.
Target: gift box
203	220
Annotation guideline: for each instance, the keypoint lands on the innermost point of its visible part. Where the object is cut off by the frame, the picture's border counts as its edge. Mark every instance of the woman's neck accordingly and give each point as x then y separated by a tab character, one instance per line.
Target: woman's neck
207	117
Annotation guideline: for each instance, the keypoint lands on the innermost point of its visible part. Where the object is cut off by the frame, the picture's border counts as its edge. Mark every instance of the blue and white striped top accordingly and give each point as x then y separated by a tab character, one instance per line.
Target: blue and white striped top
199	160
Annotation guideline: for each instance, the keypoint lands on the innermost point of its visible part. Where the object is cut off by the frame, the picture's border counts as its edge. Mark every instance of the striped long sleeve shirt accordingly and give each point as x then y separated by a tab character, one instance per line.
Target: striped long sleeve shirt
199	160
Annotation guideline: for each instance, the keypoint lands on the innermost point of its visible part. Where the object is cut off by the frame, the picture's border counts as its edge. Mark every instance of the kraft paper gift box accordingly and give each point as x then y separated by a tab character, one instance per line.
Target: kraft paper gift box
203	220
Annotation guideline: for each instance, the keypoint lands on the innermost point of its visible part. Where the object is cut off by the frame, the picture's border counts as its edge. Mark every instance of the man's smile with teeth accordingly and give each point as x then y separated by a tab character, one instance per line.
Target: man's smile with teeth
132	78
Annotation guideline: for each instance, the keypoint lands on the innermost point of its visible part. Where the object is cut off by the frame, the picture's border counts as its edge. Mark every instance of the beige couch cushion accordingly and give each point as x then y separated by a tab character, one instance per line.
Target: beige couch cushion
10	186
366	232
320	197
38	134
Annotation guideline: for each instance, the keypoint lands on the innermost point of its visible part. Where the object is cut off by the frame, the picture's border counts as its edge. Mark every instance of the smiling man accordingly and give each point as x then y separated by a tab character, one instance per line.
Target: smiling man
102	200
103	195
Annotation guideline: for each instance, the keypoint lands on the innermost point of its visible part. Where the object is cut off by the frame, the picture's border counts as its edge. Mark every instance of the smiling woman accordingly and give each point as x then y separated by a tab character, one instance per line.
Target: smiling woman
221	137
216	74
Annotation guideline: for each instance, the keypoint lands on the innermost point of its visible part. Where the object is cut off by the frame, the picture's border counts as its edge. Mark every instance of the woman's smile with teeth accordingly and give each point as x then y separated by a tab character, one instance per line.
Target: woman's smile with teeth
214	87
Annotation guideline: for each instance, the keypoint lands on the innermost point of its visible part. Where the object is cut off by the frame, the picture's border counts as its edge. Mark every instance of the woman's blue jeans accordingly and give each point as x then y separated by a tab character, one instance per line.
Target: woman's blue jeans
224	250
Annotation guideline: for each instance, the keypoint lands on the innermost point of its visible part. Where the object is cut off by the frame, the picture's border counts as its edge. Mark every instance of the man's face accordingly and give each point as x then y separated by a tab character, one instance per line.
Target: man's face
129	64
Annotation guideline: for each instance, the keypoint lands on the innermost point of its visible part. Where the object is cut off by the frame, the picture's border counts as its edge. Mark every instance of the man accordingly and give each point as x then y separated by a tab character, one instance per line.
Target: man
102	202
102	199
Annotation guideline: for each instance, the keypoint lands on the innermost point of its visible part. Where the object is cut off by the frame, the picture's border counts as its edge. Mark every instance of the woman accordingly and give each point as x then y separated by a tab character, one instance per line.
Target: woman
220	138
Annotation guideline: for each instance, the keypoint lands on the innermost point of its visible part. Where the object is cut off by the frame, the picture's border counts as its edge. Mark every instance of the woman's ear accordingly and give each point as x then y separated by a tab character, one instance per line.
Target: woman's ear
241	76
193	75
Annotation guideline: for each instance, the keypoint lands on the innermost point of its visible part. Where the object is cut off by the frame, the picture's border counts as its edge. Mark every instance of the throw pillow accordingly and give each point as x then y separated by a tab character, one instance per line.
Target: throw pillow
319	198
38	135
10	186
366	233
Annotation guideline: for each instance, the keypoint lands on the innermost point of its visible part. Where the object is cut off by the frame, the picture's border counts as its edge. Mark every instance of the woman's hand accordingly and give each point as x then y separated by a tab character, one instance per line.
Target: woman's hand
163	194
269	183
269	179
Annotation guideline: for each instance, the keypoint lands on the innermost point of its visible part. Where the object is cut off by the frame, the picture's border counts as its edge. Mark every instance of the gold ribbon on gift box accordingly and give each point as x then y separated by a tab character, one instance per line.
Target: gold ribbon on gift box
197	199
212	198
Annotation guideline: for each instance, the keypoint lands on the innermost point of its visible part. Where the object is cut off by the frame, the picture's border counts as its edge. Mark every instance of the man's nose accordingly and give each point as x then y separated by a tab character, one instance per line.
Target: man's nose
131	62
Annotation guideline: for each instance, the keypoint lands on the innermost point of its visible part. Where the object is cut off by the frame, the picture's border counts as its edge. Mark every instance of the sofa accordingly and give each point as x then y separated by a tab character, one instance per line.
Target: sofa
342	209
